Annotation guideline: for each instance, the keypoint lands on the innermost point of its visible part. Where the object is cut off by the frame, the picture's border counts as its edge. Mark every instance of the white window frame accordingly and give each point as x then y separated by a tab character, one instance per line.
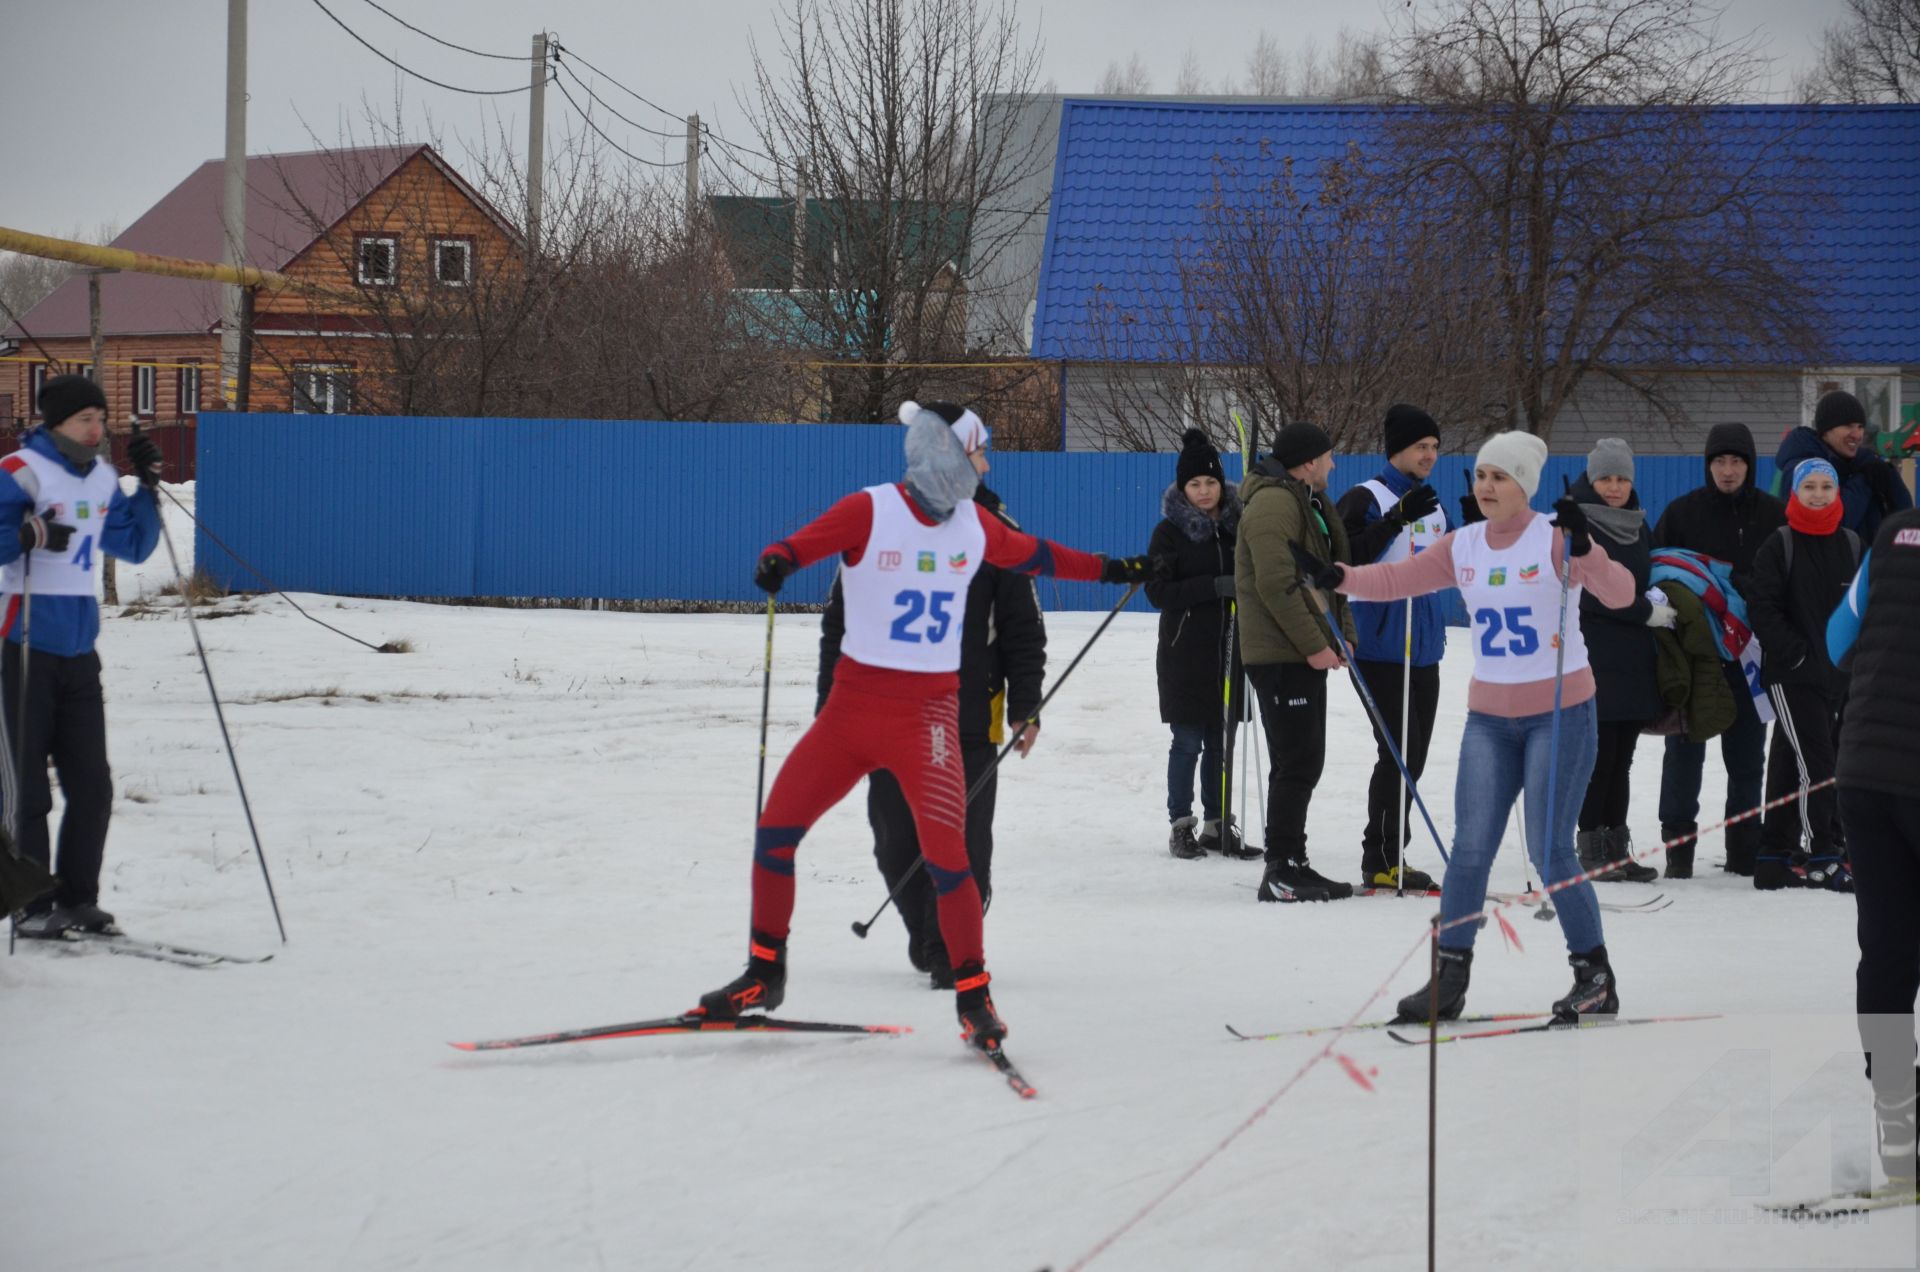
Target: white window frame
187	386
360	245
466	253
308	380
1876	387
36	380
146	388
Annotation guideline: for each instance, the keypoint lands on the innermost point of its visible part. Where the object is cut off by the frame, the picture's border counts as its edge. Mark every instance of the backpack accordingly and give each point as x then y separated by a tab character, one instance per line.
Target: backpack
1786	547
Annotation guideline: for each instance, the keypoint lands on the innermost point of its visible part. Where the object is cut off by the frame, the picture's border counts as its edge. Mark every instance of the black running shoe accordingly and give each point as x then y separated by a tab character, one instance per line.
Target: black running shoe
1295	880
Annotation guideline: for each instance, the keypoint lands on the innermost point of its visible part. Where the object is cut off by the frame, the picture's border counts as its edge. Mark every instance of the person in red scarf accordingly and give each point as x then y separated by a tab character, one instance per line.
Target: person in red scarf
1799	575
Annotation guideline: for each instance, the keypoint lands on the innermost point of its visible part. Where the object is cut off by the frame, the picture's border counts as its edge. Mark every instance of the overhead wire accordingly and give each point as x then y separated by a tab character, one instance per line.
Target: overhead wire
503	57
428	79
645	101
587	118
602	102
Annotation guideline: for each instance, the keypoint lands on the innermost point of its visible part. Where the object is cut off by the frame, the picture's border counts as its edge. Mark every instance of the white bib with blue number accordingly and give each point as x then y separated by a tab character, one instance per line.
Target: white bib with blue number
907	598
80	502
1513	604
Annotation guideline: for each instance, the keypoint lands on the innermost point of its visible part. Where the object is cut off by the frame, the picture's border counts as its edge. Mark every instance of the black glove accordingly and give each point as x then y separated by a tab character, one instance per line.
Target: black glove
1413	505
1223	586
1469	506
1325	575
772	572
44	533
1133	569
1572	521
146	460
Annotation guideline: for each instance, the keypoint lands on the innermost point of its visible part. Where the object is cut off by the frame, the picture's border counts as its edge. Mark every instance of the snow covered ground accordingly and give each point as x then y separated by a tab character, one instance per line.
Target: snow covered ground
541	819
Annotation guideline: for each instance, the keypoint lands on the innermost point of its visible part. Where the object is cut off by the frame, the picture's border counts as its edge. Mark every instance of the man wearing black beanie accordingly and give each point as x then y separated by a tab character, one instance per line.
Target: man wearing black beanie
69	509
1870	487
1285	643
1401	642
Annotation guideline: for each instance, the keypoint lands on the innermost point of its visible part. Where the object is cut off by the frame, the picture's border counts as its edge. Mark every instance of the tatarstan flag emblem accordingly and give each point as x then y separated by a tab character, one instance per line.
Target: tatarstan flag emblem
958	562
1529	573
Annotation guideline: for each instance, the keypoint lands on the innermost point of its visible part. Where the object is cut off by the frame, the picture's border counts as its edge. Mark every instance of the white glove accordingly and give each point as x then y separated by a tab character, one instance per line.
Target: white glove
1662	615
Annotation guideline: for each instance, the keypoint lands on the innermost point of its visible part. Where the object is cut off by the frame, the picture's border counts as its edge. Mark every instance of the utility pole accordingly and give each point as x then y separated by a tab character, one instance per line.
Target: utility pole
233	207
799	226
693	170
536	140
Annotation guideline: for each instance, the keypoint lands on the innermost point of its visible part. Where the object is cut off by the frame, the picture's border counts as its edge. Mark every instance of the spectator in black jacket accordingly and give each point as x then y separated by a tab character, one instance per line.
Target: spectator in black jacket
1003	661
1621	651
1872	635
1727	519
1799	577
1195	537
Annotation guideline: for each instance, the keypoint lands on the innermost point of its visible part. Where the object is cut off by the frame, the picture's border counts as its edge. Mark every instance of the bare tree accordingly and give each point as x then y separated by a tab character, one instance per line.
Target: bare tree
1131	80
886	107
1192	80
1309	295
1624	225
1267	72
1873	55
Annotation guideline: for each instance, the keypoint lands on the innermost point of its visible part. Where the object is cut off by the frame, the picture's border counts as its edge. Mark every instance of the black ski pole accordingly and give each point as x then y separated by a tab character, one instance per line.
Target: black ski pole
1373	708
20	717
861	929
186	604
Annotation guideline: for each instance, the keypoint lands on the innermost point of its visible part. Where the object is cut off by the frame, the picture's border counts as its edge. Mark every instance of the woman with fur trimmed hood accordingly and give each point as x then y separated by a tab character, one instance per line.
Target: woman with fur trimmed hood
1195	538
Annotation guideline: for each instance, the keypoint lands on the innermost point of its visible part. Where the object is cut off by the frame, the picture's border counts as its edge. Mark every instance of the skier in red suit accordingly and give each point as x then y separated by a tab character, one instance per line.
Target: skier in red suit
909	549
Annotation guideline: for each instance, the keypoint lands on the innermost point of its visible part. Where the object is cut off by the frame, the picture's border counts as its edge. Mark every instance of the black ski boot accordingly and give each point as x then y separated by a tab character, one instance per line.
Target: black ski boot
37	923
1679	856
1743	848
1593	992
1591	846
1455	968
980	1025
1774	871
1830	872
762	987
1231	844
1619	848
1180	840
1295	880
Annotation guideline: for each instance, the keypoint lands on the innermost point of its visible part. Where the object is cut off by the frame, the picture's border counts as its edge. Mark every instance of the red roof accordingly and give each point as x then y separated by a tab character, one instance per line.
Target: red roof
292	200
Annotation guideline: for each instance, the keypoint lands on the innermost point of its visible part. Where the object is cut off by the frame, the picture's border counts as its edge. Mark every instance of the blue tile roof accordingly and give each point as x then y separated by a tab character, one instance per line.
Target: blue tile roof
1131	180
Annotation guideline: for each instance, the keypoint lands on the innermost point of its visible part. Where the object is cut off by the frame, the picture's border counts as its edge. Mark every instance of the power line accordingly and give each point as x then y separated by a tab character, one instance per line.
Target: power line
657	106
455	88
503	57
588	89
651	163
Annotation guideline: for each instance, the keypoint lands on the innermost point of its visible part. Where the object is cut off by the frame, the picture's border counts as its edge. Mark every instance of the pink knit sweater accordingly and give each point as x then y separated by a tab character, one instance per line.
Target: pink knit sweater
1610	582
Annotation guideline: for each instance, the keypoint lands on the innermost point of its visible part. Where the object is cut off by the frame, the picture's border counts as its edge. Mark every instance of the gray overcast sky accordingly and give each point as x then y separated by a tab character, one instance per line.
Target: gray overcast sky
135	98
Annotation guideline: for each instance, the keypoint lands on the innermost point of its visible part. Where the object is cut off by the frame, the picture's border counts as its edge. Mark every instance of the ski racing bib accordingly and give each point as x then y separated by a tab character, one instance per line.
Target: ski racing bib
64	496
906	600
1417	537
1513	605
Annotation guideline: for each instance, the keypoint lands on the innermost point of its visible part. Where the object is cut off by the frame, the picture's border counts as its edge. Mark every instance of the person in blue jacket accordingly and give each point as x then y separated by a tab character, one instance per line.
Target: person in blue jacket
1870	487
1390	518
68	508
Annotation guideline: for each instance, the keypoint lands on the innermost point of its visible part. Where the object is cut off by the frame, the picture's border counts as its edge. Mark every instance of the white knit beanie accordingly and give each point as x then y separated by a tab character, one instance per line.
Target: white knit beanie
1520	456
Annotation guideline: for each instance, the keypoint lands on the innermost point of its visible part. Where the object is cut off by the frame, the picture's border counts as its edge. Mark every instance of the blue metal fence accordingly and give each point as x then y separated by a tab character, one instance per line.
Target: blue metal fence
377	506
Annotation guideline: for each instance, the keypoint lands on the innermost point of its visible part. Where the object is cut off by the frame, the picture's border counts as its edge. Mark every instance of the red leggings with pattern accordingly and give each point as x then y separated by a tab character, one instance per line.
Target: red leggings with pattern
906	723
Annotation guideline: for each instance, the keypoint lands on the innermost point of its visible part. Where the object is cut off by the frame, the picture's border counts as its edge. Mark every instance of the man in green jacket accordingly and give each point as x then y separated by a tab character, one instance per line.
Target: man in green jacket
1285	643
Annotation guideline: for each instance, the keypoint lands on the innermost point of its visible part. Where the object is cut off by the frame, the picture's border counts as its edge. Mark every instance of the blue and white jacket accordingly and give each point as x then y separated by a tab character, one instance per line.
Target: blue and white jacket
68	625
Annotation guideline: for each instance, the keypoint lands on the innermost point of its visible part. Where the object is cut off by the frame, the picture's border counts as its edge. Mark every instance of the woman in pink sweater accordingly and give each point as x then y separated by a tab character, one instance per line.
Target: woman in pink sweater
1507	568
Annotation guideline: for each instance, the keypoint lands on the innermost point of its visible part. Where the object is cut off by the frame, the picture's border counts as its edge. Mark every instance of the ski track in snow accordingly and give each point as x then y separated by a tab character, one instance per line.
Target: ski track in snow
540	819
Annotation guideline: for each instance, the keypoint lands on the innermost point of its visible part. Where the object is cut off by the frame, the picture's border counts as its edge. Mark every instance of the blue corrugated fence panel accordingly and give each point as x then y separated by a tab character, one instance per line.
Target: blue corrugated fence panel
645	509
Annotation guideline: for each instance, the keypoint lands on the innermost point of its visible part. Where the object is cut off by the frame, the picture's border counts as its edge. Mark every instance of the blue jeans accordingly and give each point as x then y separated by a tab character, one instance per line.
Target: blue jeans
1498	756
1192	742
1743	748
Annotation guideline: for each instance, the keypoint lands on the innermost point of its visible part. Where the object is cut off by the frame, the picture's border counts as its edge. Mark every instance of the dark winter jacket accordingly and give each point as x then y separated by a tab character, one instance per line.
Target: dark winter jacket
1383	625
1003	646
1870	487
1876	738
1729	528
1190	660
1789	614
1277	622
1692	679
1620	645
